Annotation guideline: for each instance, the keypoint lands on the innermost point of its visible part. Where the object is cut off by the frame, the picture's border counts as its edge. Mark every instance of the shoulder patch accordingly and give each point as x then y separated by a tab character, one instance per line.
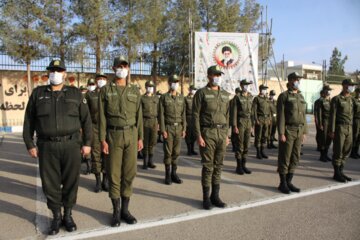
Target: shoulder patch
84	101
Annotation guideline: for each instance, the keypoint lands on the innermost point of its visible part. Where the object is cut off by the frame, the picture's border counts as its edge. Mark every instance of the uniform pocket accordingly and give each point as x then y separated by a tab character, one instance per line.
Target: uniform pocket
43	108
72	107
112	106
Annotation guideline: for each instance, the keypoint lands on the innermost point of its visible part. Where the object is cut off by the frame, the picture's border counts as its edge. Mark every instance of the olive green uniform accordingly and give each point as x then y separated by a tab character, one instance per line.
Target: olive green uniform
172	119
121	125
190	134
98	163
150	106
241	119
262	119
57	117
318	130
233	134
356	126
211	121
272	126
341	123
323	118
291	121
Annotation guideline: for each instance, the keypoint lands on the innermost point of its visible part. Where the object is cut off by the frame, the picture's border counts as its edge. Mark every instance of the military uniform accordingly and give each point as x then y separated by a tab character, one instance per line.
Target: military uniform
172	120
291	121
190	135
57	118
356	126
272	126
231	107
262	120
150	105
241	120
341	124
317	136
211	121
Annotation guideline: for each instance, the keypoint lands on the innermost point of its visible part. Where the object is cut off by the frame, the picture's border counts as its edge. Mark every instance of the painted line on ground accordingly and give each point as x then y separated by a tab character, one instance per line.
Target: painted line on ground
198	214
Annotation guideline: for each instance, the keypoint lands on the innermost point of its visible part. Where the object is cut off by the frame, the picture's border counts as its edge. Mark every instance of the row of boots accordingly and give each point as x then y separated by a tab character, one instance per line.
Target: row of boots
324	155
121	213
339	174
148	161
213	199
241	166
67	221
101	185
171	175
286	185
260	153
191	149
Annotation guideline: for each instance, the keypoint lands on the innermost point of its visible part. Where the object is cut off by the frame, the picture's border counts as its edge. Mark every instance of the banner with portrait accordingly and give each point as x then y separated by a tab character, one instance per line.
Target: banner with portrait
235	53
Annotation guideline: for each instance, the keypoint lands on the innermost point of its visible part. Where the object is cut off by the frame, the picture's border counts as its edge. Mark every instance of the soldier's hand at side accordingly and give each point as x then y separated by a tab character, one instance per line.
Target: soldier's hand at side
201	142
303	138
282	138
140	145
165	135
236	130
104	147
227	141
33	152
85	150
321	128
183	134
332	135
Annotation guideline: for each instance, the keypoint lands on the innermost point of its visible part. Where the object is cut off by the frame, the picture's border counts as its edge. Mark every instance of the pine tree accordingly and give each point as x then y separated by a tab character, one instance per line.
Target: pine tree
336	71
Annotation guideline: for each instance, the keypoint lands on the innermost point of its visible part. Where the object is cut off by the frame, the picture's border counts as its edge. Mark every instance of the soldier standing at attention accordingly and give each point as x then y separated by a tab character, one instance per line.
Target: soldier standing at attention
121	134
262	120
323	117
57	113
150	106
159	140
97	157
292	127
316	110
231	107
341	128
241	119
190	135
272	126
172	119
211	121
356	126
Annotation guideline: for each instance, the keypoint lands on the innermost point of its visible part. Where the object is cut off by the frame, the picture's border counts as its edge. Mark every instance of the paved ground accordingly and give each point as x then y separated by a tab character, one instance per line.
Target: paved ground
323	210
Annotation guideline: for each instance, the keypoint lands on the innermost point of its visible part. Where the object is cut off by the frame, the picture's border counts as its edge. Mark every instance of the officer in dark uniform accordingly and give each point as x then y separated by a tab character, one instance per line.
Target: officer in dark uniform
231	107
150	106
341	128
57	113
356	125
159	140
318	130
261	110
190	135
172	120
241	120
97	157
322	118
272	126
121	134
83	90
292	127
211	121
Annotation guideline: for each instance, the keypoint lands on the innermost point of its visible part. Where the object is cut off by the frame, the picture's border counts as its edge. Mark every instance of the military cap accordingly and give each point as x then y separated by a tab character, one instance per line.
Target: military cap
174	78
192	87
91	81
82	88
349	81
214	70
237	90
327	88
120	60
294	75
272	93
149	83
56	64
100	74
262	86
245	82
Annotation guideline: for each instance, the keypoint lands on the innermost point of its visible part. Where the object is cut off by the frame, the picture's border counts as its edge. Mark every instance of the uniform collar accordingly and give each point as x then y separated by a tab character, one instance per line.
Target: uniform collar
63	89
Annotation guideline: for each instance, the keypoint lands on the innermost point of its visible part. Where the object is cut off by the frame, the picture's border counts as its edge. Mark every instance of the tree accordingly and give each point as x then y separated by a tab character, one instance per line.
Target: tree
249	18
336	71
227	15
207	14
22	32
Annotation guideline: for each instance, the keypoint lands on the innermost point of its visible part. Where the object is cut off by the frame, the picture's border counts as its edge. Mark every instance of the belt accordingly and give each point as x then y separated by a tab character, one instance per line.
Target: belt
214	126
57	139
150	117
295	126
174	124
118	128
344	123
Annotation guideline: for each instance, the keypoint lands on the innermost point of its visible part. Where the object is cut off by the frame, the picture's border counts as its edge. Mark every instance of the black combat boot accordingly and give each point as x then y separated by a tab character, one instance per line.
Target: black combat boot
268	145
354	154
342	173
167	175
68	221
291	186
145	161
322	156
56	222
188	149
239	170
326	155
174	177
88	166
243	165
283	187
105	182
272	145
337	175
98	182
125	214
193	149
150	162
140	155
258	153
206	198
115	221
263	155
214	198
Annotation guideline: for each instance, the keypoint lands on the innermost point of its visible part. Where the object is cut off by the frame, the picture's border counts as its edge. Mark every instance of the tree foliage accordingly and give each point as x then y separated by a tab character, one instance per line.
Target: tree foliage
336	71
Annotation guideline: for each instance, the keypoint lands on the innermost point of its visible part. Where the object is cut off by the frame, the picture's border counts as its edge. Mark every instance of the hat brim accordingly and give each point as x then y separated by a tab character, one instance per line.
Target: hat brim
216	72
100	75
246	83
56	68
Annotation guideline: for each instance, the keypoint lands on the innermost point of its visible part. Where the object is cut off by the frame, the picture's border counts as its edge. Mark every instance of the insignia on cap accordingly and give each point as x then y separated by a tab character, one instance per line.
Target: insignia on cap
84	101
56	63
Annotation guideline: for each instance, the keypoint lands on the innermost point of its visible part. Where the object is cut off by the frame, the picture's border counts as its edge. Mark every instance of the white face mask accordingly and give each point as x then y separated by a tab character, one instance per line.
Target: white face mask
56	78
101	83
245	88
328	93
121	73
351	89
217	81
174	86
150	89
91	88
193	92
297	84
271	97
263	92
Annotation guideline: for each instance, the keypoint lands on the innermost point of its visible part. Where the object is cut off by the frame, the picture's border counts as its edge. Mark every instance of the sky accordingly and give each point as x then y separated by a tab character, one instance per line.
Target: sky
307	31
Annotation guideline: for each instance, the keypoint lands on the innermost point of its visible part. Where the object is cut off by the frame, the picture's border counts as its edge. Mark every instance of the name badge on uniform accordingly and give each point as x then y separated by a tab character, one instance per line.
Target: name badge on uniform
209	96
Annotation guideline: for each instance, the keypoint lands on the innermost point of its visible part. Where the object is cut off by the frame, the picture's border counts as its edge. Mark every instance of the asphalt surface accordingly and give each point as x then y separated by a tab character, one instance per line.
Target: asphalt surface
324	209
